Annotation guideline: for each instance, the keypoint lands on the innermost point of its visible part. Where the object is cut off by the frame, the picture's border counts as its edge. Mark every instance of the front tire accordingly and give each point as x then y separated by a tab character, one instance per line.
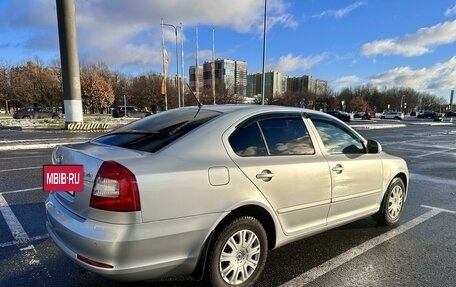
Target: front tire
238	254
392	204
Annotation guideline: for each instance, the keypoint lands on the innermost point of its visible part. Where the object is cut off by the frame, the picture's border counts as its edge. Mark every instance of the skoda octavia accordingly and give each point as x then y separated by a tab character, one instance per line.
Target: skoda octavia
210	190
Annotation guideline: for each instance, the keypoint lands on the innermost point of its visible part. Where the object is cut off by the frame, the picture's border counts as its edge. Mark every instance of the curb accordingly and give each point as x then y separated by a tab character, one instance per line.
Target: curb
35	146
13	128
87	126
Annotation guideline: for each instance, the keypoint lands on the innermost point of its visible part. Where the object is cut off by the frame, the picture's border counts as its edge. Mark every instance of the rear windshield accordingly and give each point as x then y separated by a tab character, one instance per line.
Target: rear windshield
157	131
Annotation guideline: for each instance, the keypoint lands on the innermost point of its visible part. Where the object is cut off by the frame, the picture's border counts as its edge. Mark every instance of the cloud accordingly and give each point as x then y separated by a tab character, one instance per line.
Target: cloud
450	11
415	44
345	81
440	76
110	29
291	63
341	12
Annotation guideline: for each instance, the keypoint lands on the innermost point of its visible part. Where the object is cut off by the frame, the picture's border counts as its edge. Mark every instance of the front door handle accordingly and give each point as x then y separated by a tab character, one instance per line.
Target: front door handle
265	175
338	169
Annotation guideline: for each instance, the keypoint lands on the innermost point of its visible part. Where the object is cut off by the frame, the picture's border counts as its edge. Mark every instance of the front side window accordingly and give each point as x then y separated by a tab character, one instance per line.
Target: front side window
336	138
272	135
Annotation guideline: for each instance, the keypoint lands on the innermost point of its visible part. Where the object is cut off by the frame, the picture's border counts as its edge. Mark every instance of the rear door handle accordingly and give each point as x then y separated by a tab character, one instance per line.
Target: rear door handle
338	169
265	175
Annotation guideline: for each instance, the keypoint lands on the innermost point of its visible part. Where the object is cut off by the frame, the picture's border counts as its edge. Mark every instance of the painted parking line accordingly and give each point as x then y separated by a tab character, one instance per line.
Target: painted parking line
32	239
446	151
18	232
21	190
354	252
21	239
433	179
22	168
23	157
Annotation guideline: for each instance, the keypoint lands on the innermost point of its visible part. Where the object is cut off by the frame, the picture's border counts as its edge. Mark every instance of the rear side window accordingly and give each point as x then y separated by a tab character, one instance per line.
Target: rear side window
272	135
286	136
247	141
157	131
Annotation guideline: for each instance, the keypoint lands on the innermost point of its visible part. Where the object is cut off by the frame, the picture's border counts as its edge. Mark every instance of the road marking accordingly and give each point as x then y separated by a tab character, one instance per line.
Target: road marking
22	157
30	140
22	168
37	146
440	209
20	236
21	190
34	238
348	255
434	153
439	180
21	239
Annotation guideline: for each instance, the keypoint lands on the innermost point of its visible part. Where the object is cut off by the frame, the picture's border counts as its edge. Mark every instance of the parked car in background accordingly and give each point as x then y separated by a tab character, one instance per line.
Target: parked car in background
36	113
427	115
392	115
217	187
343	116
450	114
132	112
362	115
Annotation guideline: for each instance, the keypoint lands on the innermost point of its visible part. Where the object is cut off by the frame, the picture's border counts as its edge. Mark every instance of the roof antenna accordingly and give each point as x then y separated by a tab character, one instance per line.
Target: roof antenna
196	98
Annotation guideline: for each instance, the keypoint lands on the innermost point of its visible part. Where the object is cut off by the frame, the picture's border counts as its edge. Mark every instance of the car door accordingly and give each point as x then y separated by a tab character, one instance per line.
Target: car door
43	113
276	152
356	176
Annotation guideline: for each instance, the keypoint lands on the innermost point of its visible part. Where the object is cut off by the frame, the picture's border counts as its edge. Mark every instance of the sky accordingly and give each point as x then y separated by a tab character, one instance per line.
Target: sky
384	43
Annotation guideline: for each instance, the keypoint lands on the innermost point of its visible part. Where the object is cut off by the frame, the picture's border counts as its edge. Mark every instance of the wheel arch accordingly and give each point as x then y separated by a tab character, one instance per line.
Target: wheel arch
404	178
255	211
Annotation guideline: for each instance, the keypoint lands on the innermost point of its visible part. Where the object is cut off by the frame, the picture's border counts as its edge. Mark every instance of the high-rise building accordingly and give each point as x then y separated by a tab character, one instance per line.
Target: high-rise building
192	76
306	84
273	84
230	77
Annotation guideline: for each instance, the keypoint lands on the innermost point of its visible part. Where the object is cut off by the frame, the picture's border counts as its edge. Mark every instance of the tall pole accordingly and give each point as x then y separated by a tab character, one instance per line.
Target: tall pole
182	64
263	84
196	67
164	89
177	62
71	79
213	66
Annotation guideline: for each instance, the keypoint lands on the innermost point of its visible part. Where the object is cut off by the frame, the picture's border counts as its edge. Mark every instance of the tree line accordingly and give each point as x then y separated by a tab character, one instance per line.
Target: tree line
37	84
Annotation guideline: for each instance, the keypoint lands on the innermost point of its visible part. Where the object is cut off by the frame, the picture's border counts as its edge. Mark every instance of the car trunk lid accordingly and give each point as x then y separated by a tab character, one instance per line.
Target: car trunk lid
92	157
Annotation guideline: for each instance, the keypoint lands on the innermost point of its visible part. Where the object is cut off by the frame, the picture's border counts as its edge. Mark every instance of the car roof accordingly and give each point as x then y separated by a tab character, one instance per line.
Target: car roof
250	108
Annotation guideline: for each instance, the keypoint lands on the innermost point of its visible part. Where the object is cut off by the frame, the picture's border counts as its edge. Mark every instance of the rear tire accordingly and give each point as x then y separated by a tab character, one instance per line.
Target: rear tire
238	253
26	117
392	204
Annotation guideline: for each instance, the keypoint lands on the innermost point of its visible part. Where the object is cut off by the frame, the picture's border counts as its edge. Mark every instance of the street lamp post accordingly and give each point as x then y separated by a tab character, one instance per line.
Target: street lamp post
7	107
125	102
177	63
263	83
182	64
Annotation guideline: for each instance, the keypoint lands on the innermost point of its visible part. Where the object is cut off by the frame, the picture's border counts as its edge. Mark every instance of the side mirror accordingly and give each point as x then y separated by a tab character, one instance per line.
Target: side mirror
373	146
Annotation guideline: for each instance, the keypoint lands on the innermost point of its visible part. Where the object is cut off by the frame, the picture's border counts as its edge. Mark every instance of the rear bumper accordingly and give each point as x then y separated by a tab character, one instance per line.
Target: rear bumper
137	251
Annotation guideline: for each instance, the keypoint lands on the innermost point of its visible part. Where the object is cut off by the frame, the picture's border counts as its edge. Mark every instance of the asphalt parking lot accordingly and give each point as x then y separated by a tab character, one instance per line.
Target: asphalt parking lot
420	251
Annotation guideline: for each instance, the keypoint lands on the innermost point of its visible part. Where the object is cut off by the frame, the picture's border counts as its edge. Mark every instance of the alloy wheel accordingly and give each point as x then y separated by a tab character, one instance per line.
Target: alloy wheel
240	257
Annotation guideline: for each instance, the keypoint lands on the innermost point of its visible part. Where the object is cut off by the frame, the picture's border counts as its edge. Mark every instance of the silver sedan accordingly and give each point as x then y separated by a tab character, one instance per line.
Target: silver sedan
209	190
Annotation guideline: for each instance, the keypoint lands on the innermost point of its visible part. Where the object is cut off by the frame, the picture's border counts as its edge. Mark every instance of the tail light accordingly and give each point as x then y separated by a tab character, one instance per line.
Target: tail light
115	189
